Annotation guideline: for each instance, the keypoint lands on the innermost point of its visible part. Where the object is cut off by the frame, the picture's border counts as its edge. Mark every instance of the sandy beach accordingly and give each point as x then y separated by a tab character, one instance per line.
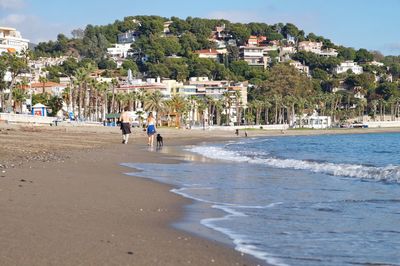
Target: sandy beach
64	199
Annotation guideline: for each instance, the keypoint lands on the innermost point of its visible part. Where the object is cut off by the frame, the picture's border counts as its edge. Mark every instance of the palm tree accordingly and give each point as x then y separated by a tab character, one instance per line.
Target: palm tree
82	76
155	103
238	103
201	107
277	102
192	100
210	107
104	90
257	105
267	105
131	98
178	105
219	107
228	104
301	104
382	104
66	96
19	96
114	83
140	117
43	80
374	105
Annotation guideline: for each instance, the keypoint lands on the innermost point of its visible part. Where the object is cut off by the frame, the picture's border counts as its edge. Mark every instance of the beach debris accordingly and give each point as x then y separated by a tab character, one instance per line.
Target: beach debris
212	260
22	180
130	252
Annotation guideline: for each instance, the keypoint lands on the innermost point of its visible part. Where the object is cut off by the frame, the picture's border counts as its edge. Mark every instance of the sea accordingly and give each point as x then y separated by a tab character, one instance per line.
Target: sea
293	200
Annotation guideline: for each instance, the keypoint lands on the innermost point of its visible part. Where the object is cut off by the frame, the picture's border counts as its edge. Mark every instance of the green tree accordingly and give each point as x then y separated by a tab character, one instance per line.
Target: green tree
363	56
240	32
16	66
240	68
157	70
19	96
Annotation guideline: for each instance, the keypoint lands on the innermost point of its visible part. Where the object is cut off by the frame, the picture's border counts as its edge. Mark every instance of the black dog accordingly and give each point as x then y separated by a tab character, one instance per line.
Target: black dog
159	141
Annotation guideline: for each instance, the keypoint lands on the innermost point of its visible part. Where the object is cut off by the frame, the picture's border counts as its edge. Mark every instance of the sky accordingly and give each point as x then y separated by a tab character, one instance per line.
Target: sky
370	24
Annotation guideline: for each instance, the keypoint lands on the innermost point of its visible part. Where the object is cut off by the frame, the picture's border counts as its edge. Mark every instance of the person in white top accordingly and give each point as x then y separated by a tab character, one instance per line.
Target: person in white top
151	129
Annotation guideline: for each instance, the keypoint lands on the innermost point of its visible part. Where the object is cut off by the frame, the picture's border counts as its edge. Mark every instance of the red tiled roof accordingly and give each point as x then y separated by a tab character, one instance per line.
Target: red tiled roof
48	84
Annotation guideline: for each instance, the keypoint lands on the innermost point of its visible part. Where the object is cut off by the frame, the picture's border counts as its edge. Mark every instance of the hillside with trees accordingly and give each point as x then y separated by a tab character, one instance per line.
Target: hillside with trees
276	94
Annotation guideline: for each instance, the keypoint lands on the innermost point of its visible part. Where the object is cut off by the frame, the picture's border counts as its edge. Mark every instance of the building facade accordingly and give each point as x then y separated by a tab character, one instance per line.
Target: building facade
348	65
11	41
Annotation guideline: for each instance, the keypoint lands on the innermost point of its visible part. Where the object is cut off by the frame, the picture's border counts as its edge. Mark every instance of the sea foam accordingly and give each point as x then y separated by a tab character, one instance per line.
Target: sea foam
388	173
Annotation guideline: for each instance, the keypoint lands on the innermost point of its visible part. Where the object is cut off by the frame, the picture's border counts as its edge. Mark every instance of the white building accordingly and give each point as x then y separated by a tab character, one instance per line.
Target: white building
302	68
11	41
254	56
313	121
329	52
376	63
316	48
348	65
309	46
119	50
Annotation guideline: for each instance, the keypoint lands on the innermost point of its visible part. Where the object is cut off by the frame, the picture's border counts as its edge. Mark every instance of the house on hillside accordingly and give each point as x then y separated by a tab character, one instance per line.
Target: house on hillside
302	68
210	54
257	41
119	50
253	55
128	37
310	46
316	48
346	66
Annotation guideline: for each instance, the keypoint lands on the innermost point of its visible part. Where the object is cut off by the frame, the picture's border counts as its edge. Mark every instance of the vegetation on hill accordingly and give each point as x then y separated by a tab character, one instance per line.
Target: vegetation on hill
275	95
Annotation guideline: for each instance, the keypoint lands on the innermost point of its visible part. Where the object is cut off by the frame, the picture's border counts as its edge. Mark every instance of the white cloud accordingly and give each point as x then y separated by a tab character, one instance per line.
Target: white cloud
11	4
34	28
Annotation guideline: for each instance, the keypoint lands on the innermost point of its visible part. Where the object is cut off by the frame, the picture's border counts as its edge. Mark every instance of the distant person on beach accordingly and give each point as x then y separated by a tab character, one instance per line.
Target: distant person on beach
151	129
237	132
125	120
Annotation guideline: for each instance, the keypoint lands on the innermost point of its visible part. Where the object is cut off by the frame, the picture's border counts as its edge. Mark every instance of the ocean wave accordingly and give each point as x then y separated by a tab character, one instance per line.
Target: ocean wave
242	242
390	173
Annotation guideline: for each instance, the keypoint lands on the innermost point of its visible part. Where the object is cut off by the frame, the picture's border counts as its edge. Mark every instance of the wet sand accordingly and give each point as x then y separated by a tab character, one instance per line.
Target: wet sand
64	199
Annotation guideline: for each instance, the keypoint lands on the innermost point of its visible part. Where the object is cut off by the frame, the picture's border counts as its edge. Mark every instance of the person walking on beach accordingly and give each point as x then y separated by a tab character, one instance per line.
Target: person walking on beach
151	129
125	120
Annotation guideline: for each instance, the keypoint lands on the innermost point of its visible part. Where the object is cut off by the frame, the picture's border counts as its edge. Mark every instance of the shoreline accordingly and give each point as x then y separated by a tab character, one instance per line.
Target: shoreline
72	203
85	210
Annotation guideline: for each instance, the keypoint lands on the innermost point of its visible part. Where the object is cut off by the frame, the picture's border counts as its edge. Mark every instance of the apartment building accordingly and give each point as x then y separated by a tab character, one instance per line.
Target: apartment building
253	55
11	41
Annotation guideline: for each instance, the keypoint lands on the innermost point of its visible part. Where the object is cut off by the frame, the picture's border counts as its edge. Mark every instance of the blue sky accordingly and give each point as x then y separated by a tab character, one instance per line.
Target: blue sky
371	24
